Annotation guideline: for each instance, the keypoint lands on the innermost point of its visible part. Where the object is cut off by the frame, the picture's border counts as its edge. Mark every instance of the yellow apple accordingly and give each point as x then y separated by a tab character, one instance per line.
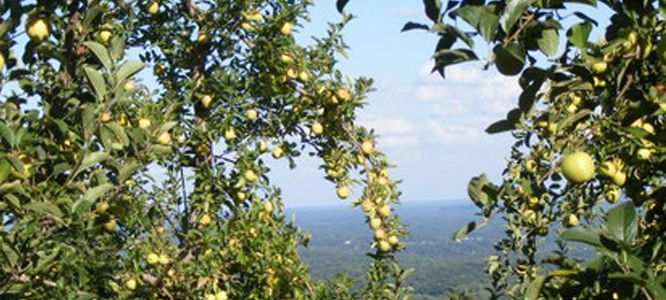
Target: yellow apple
101	207
286	28
578	167
205	220
262	146
144	123
277	152
304	76
129	86
343	94
599	67
104	35
367	205
230	134
384	246
343	192
130	284
287	59
206	101
384	211
531	166
251	114
110	225
291	73
375	223
619	178
164	139
367	147
570	220
2	62
152	258
202	37
393	240
105	117
317	128
268	207
164	259
153	8
250	176
380	234
38	29
221	296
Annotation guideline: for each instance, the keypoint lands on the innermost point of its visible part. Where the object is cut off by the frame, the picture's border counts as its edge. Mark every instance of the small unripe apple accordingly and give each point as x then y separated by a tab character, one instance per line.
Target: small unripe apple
599	67
221	295
578	167
384	211
317	128
130	284
287	59
570	220
251	114
380	234
277	152
205	220
530	166
202	37
110	225
230	134
384	246
619	178
343	94
393	240
367	205
608	169
268	207
247	26
304	76
164	259
286	28
105	117
153	8
644	153
375	223
206	101
164	139
250	176
343	192
101	207
104	35
291	73
144	123
262	146
367	147
129	86
38	29
152	258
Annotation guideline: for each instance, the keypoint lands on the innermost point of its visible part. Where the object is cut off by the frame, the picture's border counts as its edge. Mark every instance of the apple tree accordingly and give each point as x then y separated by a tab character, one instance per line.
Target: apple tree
135	145
588	164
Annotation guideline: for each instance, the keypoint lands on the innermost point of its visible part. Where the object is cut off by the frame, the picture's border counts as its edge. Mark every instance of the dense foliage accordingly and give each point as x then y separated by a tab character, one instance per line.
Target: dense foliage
134	137
588	164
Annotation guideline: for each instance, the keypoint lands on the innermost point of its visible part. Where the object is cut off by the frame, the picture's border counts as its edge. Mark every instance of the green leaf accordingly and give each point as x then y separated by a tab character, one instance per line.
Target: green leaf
509	59
433	9
501	126
412	25
340	5
447	57
88	117
588	2
44	208
482	18
476	189
127	70
91	159
578	35
96	81
7	134
582	235
128	169
82	205
119	132
5	169
548	42
512	13
534	289
463	232
622	222
101	53
10	254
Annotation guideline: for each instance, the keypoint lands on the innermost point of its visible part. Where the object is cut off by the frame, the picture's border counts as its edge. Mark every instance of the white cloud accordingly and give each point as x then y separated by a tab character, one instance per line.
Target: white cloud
450	134
407	12
393	132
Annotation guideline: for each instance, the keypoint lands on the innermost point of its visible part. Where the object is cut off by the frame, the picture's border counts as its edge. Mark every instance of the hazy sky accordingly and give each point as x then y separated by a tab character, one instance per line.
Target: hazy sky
433	129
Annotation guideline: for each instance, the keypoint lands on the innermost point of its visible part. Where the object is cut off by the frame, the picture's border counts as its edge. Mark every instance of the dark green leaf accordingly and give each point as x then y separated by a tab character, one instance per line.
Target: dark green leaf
101	53
622	222
534	289
89	197
433	9
578	35
501	126
127	70
509	59
548	42
96	81
44	208
91	159
512	13
340	4
581	235
463	232
7	134
476	192
128	169
482	18
412	25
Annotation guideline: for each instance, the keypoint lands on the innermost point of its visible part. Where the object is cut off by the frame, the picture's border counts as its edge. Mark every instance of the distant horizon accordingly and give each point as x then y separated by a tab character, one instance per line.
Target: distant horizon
347	204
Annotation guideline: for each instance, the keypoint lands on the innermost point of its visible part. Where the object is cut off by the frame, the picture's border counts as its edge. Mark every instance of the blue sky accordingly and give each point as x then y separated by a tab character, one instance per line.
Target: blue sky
433	129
